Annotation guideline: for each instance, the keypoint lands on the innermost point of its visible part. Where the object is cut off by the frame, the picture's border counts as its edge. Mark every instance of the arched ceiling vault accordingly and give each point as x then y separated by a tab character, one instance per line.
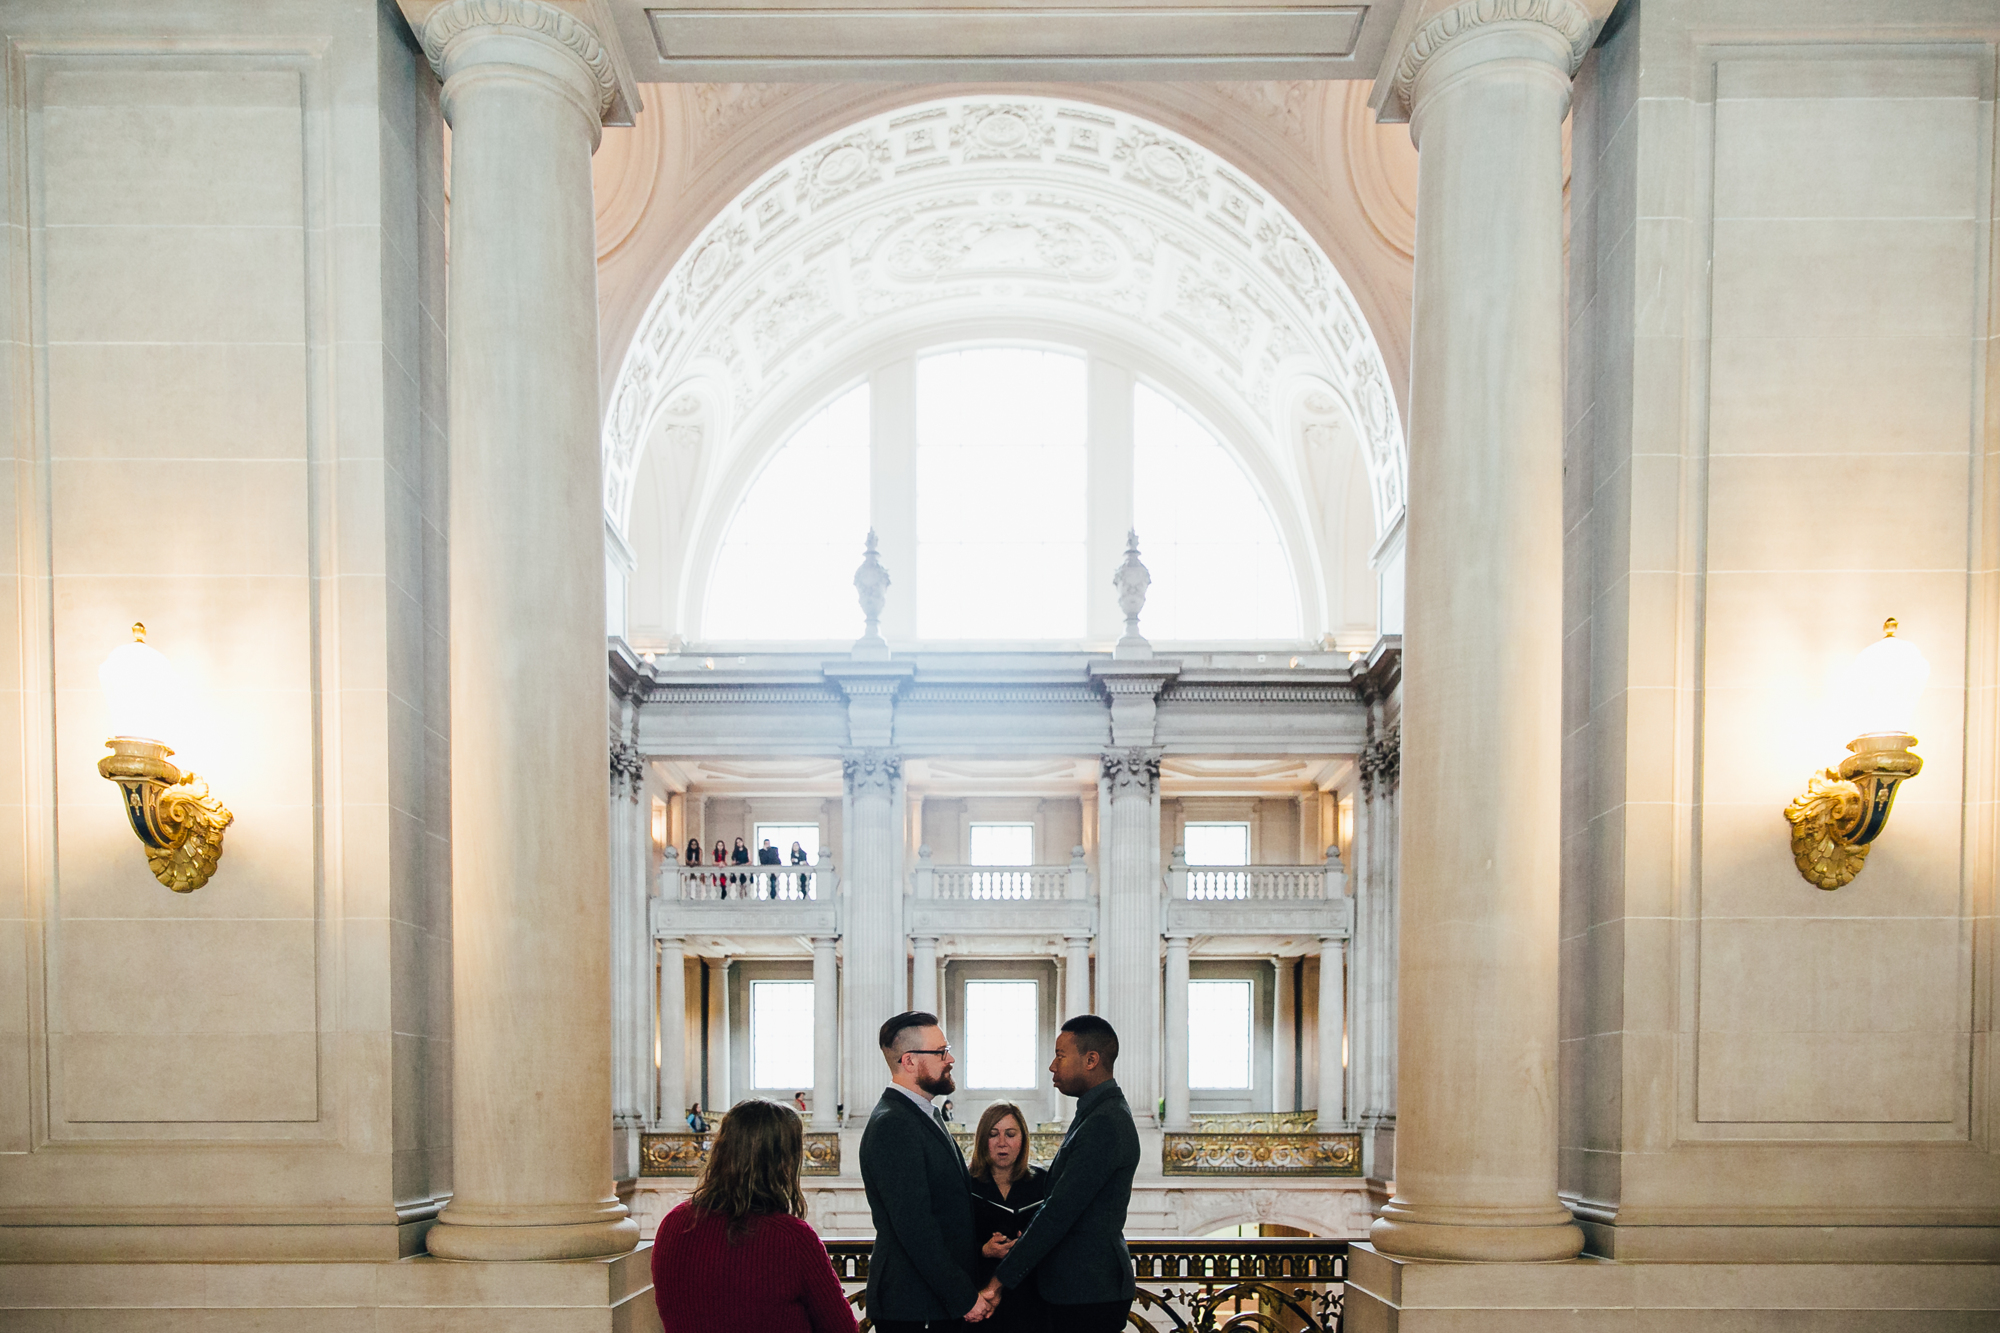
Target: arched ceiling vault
992	206
1314	148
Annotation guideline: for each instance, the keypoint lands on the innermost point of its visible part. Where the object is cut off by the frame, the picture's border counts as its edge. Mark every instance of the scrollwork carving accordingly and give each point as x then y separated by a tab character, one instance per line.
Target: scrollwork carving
1381	763
1133	771
871	773
628	769
450	21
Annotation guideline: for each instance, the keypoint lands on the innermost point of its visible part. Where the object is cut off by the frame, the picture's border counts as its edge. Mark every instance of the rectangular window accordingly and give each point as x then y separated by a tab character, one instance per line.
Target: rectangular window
1003	845
782	836
1001	1019
781	1035
1217	844
1219	1036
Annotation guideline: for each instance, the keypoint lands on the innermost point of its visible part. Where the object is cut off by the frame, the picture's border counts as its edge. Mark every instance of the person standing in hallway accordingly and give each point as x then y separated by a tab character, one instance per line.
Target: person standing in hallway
738	1253
922	1272
1075	1246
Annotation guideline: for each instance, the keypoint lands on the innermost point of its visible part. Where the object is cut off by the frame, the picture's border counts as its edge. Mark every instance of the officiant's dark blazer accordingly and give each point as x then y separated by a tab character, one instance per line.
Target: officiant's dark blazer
925	1256
1076	1244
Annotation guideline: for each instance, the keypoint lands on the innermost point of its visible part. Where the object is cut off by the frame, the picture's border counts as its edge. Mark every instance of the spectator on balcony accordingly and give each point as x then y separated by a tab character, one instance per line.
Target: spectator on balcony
740	856
805	879
767	855
721	859
1007	1192
738	1253
694	851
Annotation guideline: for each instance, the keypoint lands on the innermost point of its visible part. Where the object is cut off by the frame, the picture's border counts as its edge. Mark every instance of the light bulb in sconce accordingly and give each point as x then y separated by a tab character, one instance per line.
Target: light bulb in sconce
143	695
176	819
1887	679
1843	810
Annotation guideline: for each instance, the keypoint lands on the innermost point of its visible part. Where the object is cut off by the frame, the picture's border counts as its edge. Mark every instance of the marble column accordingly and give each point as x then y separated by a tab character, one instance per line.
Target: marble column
715	1097
1129	910
1332	1031
1372	970
871	900
826	1032
1488	85
924	973
1177	1031
1076	975
525	90
673	1021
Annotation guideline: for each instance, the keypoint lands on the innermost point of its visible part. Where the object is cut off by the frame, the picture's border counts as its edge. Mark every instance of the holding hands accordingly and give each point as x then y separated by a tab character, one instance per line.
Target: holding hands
989	1299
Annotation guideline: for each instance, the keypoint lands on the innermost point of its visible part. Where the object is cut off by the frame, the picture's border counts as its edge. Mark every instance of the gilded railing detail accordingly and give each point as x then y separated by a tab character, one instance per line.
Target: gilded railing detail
1245	1154
683	1154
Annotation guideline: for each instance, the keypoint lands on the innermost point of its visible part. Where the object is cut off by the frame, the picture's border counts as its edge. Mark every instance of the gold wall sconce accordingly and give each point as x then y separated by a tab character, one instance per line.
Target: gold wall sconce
1842	811
171	811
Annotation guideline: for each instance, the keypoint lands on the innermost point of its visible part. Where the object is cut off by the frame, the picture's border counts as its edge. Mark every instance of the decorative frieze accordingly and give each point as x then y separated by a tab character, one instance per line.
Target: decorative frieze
1246	1154
684	1154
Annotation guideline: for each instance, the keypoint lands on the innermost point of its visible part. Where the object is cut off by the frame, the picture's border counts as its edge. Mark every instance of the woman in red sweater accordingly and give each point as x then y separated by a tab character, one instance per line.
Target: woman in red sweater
738	1254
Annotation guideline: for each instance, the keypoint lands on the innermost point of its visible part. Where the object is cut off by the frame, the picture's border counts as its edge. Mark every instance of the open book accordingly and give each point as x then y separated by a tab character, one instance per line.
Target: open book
989	1216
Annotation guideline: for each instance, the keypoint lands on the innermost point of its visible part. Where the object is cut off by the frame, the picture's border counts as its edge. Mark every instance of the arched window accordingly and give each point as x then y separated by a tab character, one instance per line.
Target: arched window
1219	569
1001	517
786	569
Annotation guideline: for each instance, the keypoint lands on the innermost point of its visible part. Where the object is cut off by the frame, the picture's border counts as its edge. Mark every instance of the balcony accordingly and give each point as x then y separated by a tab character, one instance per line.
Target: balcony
1253	899
747	899
1001	900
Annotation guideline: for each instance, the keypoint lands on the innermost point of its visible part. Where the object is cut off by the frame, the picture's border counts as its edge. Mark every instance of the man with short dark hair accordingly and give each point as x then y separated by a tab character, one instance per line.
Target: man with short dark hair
923	1273
1075	1247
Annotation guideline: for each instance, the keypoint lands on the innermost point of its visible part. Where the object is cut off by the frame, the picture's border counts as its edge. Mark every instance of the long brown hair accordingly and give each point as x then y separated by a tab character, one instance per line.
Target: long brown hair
982	1165
753	1169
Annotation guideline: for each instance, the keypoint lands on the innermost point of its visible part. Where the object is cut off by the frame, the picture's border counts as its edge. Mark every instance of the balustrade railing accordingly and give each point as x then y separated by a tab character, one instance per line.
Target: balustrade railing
1292	1283
748	883
1318	883
999	883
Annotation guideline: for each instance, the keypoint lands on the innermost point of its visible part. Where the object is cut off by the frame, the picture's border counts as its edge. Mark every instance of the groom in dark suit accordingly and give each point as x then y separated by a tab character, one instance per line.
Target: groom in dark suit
922	1275
1076	1245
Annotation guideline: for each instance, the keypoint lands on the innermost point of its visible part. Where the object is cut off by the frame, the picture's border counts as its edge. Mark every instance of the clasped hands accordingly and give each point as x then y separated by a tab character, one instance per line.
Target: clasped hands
996	1247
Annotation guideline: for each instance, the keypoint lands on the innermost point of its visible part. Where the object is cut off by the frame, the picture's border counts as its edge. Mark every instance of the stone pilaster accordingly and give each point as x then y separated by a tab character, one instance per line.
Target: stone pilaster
1129	922
871	903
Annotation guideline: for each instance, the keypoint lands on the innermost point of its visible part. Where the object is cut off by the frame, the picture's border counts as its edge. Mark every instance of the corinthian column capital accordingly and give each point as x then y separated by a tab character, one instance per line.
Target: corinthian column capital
1566	21
871	773
1132	772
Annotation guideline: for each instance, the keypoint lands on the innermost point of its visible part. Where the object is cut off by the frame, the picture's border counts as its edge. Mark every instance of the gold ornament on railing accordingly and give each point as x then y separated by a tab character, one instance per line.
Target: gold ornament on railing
176	818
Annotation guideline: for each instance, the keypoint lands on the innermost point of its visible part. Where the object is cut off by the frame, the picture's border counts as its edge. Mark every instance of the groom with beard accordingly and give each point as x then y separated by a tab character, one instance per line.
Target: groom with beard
922	1275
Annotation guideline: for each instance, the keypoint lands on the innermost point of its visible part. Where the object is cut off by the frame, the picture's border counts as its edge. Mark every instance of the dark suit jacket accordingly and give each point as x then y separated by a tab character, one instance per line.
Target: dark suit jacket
1076	1244
925	1255
768	856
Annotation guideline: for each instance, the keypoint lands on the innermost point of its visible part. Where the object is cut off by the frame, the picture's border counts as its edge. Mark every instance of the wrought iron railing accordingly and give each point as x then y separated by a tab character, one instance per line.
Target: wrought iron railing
1263	1284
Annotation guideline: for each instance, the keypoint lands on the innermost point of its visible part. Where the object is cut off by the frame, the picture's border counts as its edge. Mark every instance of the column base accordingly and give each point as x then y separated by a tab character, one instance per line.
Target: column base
507	1235
1477	1235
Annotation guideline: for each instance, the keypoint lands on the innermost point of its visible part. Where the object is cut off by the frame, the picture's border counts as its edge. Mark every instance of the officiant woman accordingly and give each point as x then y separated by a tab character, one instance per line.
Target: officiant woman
1007	1191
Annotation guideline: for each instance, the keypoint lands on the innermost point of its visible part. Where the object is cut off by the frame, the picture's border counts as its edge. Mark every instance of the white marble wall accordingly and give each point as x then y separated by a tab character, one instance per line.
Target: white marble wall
1779	434
223	415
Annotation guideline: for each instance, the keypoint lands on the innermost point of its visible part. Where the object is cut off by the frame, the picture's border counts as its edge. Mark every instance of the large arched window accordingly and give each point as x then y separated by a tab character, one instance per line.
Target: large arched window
1029	466
1000	494
786	569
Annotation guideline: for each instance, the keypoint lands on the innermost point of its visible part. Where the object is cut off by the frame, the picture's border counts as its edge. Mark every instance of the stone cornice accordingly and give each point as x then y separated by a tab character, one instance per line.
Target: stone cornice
452	20
1570	20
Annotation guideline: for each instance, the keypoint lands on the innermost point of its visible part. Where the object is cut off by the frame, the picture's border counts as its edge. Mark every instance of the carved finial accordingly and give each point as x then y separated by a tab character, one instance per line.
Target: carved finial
1132	580
871	581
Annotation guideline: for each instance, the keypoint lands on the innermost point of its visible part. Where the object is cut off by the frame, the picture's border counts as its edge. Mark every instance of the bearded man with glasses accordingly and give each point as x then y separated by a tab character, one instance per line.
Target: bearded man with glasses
923	1273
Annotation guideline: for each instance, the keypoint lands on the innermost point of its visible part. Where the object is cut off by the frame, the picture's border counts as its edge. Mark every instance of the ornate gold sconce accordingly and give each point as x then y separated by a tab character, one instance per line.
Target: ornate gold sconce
171	811
1842	811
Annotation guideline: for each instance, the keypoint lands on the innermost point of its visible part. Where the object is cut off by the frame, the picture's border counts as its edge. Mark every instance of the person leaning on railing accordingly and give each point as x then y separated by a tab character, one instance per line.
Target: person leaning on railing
738	1254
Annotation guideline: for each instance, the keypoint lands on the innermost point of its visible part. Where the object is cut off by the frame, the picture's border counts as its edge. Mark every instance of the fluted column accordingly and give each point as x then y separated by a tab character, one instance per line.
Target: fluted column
673	1021
1487	84
715	1096
1177	1031
826	1032
1076	975
1128	942
1332	1030
631	952
871	911
525	90
924	973
1372	972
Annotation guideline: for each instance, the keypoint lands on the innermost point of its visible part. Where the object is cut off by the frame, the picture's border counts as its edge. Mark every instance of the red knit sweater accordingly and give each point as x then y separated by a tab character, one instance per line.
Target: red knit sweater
776	1278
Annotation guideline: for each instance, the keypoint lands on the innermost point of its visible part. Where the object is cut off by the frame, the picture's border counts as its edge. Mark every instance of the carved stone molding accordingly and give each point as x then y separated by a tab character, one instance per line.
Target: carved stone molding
684	1154
453	20
871	773
1247	1154
969	208
1132	772
1570	21
628	769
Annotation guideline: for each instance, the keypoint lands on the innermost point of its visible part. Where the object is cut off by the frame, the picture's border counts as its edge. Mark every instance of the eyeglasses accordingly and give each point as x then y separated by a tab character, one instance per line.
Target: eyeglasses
940	1051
